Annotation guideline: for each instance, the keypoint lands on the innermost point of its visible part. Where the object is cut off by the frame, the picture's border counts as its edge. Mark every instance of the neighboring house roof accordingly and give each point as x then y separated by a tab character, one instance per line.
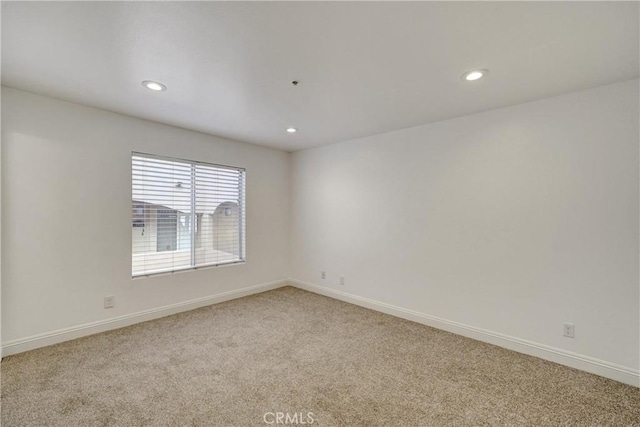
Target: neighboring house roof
199	208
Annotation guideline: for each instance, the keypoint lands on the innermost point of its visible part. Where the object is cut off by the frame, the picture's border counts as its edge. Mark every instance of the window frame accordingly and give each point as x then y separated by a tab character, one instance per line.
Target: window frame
241	215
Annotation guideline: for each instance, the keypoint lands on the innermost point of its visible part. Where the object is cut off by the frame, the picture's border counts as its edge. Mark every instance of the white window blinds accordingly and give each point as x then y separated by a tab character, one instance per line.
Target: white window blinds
185	214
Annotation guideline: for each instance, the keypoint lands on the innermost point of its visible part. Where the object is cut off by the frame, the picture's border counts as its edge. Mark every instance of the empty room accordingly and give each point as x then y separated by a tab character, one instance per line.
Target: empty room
320	213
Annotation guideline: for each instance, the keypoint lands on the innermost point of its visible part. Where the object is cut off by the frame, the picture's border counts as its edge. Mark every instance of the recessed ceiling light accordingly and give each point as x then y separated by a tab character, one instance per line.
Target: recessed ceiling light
292	130
154	86
474	75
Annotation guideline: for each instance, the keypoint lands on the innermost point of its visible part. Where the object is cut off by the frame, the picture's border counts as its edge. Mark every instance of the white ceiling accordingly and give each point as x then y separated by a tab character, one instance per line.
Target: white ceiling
364	68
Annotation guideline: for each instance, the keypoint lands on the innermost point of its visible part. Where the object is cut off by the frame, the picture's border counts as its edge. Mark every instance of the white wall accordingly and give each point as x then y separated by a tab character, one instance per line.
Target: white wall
1	144
66	214
514	220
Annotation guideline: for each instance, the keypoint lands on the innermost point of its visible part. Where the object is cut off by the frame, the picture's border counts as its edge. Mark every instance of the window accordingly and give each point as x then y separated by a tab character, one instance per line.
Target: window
185	214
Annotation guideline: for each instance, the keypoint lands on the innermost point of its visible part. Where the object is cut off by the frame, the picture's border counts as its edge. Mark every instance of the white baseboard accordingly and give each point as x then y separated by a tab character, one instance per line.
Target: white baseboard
585	363
61	335
605	369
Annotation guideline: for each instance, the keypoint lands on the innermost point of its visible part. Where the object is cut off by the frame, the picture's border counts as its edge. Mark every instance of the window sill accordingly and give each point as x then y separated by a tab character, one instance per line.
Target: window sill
186	269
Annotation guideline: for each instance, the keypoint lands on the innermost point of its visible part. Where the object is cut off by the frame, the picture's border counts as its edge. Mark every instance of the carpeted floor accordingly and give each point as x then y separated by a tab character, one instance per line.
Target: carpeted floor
295	352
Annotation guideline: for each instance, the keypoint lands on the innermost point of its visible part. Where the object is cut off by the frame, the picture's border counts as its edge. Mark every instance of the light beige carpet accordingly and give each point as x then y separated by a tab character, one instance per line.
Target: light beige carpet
292	351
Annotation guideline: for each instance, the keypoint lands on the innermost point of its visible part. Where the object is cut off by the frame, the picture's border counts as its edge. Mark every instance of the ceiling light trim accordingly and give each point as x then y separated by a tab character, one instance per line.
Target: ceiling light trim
474	75
154	86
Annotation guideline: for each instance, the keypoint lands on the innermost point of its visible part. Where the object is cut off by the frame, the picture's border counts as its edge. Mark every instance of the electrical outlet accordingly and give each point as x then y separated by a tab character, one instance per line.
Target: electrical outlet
109	302
342	280
323	275
569	330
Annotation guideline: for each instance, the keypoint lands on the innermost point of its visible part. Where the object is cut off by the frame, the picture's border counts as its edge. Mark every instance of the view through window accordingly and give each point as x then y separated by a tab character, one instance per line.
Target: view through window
185	214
